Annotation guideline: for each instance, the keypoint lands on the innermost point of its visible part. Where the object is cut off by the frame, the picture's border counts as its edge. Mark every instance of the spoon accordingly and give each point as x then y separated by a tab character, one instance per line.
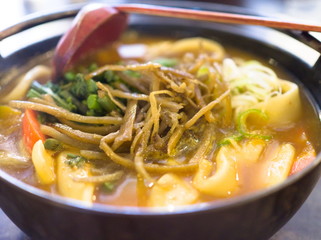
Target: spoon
93	27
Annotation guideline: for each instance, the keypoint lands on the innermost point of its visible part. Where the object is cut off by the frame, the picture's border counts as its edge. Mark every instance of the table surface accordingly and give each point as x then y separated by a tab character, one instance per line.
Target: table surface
306	224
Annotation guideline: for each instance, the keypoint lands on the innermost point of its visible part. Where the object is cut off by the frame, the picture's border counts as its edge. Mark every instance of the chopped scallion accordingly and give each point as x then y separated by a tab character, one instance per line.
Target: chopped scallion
53	145
74	160
109	186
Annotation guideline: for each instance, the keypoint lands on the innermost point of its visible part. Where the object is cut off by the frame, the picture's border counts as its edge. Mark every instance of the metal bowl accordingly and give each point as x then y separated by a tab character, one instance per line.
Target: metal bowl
258	215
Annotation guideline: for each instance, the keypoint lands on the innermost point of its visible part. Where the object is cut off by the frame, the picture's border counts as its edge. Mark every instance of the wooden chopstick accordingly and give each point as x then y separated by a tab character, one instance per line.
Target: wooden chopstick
214	16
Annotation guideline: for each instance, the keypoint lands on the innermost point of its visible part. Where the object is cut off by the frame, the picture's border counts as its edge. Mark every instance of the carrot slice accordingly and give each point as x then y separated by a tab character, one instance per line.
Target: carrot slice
31	129
304	159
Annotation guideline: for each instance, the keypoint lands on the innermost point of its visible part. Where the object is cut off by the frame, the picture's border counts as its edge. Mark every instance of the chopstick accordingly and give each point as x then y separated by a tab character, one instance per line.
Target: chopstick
214	16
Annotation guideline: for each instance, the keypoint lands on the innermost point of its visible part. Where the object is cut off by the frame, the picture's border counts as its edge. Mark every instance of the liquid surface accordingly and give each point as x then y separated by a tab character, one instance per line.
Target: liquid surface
229	149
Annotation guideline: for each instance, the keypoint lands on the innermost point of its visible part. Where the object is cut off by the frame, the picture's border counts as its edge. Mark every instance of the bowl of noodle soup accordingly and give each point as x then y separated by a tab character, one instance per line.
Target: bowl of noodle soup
210	133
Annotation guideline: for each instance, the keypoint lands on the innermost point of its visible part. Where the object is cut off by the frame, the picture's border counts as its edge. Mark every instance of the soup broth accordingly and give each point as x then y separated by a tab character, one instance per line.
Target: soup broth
156	123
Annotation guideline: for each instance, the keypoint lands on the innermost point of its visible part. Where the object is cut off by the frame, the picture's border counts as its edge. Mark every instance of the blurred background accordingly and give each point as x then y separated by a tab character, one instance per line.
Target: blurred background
12	11
299	228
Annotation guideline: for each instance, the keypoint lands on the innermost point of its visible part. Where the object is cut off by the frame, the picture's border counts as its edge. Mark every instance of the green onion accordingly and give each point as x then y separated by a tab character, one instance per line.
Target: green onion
241	120
227	140
53	145
242	128
202	71
241	123
109	186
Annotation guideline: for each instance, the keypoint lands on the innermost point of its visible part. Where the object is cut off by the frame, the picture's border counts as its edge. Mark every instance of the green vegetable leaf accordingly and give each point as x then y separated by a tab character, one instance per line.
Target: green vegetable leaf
70	76
74	160
110	77
33	94
93	104
92	67
107	103
91	86
37	90
132	74
166	62
79	106
79	89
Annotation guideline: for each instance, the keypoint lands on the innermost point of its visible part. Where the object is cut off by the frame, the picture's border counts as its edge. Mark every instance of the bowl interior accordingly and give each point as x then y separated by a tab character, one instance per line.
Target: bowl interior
262	42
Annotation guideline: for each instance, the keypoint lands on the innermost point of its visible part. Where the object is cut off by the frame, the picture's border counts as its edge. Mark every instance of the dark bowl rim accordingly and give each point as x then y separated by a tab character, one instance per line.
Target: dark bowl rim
97	208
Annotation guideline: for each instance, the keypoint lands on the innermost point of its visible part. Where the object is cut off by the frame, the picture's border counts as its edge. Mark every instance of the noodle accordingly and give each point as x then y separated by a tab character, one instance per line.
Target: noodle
78	135
101	179
49	131
62	113
205	109
127	128
135	67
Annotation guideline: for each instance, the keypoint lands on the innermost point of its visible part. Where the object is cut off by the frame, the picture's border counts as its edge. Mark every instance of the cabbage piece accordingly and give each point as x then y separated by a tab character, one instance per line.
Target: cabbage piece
224	182
277	166
251	151
66	180
170	191
8	159
43	163
285	108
